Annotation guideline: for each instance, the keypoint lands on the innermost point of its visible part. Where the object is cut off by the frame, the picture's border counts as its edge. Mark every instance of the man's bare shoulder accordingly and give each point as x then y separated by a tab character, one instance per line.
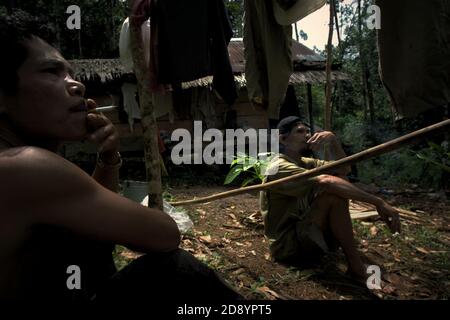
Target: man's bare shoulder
34	172
15	162
26	152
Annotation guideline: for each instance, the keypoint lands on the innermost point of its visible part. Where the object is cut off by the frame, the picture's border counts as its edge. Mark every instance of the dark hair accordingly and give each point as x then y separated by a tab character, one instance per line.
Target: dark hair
287	124
15	29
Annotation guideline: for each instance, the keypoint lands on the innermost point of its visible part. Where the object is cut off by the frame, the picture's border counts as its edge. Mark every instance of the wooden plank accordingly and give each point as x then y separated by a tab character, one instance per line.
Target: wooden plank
364	216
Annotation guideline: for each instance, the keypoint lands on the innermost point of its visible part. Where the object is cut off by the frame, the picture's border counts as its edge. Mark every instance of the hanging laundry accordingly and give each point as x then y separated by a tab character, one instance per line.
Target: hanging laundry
129	92
203	106
268	56
163	105
288	12
126	57
182	99
162	100
197	104
140	14
184	49
414	47
192	44
222	33
290	104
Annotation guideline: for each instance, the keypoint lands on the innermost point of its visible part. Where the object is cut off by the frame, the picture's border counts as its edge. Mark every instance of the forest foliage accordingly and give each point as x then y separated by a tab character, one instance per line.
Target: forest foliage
362	112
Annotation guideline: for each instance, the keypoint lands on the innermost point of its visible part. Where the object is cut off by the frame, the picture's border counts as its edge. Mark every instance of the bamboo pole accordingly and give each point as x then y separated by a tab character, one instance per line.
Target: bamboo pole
350	160
149	126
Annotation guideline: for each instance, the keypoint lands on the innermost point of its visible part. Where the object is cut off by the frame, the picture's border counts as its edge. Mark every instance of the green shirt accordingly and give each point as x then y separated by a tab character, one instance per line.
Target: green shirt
282	204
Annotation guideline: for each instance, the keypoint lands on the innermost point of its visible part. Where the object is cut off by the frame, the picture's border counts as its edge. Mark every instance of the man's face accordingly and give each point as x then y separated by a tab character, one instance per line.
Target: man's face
48	104
296	139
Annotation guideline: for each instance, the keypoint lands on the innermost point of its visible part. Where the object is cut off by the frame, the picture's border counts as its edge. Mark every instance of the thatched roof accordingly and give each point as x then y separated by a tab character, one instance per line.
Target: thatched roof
302	56
97	69
309	67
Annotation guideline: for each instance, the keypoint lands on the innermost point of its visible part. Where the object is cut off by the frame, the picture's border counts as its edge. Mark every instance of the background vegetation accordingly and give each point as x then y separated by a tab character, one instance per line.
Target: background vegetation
362	113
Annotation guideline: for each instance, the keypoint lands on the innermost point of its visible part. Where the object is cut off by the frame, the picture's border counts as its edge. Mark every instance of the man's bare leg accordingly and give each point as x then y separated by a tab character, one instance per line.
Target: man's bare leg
331	212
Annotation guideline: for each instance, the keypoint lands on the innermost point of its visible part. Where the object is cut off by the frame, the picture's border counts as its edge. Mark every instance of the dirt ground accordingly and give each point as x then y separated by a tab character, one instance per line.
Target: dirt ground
228	236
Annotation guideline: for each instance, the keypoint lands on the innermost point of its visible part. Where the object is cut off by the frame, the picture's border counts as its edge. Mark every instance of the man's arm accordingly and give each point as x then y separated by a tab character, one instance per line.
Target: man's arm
346	190
107	174
324	138
105	136
43	188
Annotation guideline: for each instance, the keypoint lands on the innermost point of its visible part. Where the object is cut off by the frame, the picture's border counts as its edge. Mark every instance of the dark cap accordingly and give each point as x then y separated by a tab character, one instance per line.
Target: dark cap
286	124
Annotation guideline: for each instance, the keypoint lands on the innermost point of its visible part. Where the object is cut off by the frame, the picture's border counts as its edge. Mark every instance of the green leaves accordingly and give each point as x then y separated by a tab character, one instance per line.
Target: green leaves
253	168
233	174
436	155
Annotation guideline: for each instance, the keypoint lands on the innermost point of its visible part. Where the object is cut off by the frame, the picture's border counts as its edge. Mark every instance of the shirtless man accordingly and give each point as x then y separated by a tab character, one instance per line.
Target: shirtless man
53	215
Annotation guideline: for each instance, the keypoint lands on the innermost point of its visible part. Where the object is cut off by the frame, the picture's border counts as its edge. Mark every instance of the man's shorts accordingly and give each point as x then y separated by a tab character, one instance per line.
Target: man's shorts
303	243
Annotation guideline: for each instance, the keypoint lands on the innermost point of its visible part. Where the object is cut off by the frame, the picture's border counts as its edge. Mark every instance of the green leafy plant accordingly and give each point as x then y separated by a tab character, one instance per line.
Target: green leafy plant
253	168
436	155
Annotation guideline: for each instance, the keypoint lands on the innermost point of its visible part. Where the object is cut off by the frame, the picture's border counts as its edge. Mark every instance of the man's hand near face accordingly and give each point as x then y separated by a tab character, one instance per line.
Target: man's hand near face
102	132
105	136
320	139
327	139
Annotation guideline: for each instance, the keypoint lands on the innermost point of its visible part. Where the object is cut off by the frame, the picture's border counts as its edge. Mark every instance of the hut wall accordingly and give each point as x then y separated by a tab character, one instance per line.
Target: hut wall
247	116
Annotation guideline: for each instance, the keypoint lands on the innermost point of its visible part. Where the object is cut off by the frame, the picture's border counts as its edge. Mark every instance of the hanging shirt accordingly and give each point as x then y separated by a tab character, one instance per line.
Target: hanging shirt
268	56
192	44
288	12
414	47
129	91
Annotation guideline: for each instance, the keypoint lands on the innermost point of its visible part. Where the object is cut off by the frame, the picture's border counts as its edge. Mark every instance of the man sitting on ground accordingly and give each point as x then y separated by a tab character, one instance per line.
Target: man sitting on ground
307	218
55	218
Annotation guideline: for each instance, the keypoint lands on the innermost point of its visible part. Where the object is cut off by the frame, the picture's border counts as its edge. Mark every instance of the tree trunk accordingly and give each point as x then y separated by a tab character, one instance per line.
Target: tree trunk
327	124
113	40
338	87
149	126
336	21
80	47
367	100
370	98
296	32
310	108
57	30
10	6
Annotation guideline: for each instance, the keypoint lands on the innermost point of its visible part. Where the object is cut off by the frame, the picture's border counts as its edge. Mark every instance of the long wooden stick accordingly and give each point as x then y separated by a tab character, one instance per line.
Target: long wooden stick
363	155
